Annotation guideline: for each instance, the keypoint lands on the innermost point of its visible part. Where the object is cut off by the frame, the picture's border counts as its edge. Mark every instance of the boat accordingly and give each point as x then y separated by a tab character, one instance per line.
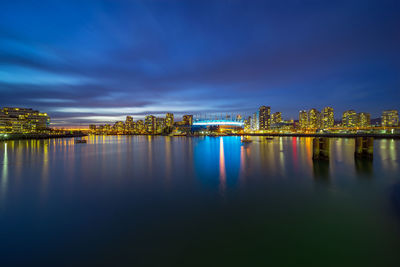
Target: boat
269	138
80	141
246	140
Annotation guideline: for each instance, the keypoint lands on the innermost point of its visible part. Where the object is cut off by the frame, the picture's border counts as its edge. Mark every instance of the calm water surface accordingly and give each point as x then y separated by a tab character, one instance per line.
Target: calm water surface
177	201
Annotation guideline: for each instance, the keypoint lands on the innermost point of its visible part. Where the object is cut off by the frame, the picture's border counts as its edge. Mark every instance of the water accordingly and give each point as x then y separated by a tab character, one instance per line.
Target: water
177	201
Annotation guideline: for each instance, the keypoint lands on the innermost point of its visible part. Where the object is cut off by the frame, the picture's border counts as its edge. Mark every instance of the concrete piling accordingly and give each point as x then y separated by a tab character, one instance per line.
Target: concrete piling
364	148
321	148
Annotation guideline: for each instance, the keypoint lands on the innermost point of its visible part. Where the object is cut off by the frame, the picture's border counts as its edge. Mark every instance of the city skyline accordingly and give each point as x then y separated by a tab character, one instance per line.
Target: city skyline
112	59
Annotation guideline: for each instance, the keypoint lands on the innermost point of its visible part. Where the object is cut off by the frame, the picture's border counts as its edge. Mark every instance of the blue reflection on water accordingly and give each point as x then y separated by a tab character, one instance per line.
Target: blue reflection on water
218	160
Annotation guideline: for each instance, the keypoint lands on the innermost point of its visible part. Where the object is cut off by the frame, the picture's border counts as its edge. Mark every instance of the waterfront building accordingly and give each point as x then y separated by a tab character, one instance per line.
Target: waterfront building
129	124
255	122
283	126
92	128
364	119
303	119
3	122
349	119
23	120
161	123
276	118
140	126
187	119
390	118
247	124
107	128
169	120
119	127
150	124
327	118
264	118
314	119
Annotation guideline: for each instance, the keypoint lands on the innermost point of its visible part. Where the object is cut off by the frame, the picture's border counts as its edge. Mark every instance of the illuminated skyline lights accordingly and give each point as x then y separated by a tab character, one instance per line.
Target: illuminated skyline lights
390	118
264	118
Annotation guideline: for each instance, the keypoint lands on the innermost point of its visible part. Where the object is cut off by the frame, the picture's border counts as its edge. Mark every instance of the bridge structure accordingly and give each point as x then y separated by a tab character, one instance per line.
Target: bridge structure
219	122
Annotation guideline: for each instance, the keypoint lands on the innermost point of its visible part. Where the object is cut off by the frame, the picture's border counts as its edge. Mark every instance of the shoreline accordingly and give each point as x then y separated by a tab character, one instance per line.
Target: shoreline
331	135
11	137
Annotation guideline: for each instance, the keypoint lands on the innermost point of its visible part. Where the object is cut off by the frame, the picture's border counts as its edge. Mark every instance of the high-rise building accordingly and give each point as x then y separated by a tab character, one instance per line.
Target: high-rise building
140	126
169	120
364	119
303	119
150	124
390	118
247	123
160	124
314	119
119	126
129	124
238	117
349	119
264	118
255	122
276	117
328	119
188	119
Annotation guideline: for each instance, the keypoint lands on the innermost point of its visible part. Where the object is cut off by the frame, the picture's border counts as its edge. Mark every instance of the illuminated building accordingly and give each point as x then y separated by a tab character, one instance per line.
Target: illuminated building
161	124
107	128
119	127
264	118
276	117
282	126
238	117
254	122
313	119
224	122
328	119
92	128
140	126
169	120
150	124
23	120
390	118
349	119
226	126
247	124
5	123
303	119
364	119
129	124
187	119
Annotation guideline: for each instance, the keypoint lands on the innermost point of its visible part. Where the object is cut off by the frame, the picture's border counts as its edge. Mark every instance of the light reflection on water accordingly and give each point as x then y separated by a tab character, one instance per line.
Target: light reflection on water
119	184
225	158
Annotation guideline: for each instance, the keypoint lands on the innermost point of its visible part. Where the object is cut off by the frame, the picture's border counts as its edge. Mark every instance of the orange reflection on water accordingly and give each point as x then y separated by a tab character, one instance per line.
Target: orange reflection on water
308	150
222	170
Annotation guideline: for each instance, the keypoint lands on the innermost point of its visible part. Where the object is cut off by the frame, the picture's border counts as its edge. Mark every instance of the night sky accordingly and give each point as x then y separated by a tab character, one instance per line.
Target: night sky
98	61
